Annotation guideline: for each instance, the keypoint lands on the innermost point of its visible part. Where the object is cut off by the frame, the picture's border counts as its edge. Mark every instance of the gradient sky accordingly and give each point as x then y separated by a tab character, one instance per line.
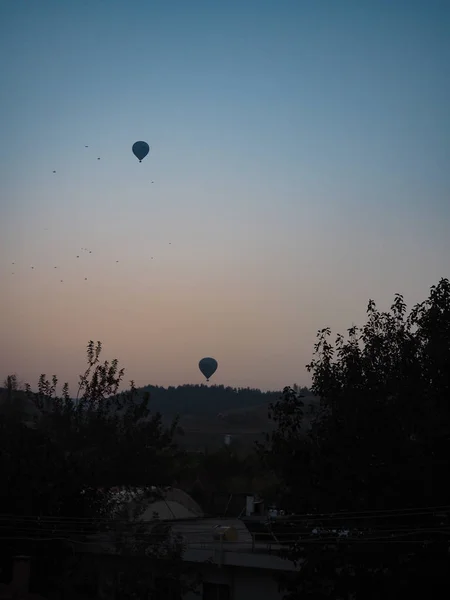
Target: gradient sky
300	163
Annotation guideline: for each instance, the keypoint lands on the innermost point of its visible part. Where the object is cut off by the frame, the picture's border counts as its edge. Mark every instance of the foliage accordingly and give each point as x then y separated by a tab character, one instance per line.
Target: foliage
12	403
379	451
60	471
135	447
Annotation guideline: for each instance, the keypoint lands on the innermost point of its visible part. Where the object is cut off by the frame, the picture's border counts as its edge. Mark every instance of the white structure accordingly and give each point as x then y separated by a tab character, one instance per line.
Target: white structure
232	567
227	439
236	570
250	506
254	506
231	562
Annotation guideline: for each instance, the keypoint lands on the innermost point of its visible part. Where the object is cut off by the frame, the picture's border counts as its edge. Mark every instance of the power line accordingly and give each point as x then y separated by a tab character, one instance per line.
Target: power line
405	511
285	537
228	546
384	513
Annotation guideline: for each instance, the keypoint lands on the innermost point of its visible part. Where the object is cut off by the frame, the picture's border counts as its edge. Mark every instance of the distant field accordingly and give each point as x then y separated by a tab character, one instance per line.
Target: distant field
235	420
199	440
244	425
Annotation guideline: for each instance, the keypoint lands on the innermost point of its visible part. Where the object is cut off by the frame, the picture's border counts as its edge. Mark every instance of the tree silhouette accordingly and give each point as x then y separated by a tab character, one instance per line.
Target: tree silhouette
376	460
60	473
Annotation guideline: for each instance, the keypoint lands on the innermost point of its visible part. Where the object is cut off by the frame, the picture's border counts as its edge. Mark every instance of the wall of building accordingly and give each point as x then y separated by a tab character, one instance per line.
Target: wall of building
245	583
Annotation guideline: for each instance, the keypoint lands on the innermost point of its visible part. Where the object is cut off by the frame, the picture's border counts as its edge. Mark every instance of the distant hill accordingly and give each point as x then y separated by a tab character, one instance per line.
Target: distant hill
228	406
203	400
207	413
19	402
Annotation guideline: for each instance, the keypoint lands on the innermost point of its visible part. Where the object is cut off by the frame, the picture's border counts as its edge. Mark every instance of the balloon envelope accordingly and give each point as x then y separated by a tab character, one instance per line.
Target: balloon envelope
208	366
140	150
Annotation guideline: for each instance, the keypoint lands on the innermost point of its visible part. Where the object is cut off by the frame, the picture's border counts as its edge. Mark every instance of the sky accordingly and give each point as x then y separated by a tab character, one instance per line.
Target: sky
298	167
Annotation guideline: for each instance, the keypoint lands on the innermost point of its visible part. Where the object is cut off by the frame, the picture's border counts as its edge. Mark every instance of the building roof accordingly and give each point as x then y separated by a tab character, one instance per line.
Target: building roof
201	544
200	533
195	533
170	503
167	510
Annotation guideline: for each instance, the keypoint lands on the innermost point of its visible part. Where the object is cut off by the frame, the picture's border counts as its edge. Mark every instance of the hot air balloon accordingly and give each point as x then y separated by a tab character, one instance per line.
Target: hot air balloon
140	150
208	366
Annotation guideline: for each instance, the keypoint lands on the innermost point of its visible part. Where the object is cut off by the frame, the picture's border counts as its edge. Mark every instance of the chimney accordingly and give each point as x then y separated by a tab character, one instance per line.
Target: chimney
21	575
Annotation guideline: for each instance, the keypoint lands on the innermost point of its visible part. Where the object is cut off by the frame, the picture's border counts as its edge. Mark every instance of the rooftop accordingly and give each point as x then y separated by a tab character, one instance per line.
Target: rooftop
205	539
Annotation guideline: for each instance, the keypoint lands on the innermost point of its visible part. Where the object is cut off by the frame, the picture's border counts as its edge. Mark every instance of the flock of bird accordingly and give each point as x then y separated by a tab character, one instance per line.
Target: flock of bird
140	150
86	250
98	157
56	267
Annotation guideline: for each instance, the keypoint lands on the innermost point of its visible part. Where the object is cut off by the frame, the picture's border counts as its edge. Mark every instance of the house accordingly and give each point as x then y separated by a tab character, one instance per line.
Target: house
233	568
231	562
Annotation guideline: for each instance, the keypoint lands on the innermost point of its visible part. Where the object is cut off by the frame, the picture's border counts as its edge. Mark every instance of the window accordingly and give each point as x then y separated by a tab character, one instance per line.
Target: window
216	591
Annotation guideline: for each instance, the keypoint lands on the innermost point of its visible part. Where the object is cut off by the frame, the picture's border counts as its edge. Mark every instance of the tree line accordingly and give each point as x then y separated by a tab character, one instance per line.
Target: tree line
203	399
368	484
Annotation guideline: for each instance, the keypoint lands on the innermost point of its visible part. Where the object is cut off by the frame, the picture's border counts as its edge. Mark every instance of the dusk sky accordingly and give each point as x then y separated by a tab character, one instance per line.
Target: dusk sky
300	159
